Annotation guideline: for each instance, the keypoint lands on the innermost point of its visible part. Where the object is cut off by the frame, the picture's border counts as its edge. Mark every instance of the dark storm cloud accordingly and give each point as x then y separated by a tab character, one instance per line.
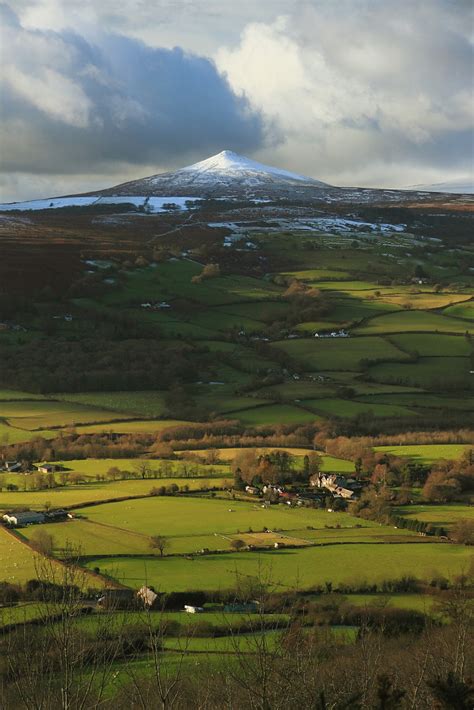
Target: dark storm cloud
69	104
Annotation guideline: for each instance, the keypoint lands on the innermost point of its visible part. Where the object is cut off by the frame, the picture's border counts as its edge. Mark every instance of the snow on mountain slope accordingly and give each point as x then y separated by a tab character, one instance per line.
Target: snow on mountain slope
458	187
224	171
233	165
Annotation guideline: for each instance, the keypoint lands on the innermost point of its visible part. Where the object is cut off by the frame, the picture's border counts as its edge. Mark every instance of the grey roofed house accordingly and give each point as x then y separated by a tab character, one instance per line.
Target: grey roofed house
12	466
58	514
28	517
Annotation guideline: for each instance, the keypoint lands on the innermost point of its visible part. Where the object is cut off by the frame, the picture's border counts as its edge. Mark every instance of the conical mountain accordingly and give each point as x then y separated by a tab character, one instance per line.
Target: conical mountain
224	173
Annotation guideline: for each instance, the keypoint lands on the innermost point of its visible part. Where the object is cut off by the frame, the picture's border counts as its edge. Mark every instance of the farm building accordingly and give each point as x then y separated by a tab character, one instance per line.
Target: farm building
54	516
11	466
337	485
190	609
46	467
28	517
253	490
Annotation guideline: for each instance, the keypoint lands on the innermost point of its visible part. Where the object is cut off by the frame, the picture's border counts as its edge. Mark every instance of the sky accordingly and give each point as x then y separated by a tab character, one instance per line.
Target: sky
352	92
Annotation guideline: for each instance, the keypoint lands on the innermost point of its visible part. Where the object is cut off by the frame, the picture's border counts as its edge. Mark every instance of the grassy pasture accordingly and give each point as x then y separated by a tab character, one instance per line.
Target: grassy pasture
318	274
427	453
274	414
89	492
137	426
418	321
173	279
44	414
422	301
350	408
291	569
417	602
14	395
230	405
92	538
339	353
143	403
429	344
93	467
221	321
349	286
13	435
349	309
265	311
205	516
461	310
17	560
436	373
420	400
445	515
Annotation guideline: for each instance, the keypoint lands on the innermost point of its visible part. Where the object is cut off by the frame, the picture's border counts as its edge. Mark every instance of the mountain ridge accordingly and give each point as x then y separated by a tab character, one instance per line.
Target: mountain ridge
224	171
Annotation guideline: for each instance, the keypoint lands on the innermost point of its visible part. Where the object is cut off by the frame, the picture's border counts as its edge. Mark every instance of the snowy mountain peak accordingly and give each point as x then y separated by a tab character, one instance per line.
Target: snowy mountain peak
232	163
226	173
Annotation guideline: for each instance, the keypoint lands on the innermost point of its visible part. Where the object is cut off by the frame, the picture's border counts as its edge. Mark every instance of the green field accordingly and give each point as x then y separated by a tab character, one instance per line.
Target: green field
421	400
76	495
461	310
203	516
419	321
427	453
274	414
339	353
131	427
351	408
17	559
290	569
13	435
143	404
442	374
16	395
445	515
429	344
157	469
45	414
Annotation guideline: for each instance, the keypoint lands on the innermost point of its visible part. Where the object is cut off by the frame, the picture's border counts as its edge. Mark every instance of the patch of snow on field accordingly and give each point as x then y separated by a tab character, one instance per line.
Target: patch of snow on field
52	203
156	203
153	204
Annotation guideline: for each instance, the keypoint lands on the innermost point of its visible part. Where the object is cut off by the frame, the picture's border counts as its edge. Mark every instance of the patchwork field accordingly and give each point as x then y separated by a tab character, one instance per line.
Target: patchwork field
351	408
76	495
339	353
427	453
17	560
191	516
42	414
273	414
289	569
444	515
442	374
430	344
418	321
142	404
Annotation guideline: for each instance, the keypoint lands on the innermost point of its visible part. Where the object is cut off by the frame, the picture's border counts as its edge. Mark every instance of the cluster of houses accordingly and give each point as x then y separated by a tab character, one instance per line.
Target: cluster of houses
17	467
339	486
320	483
334	334
22	519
